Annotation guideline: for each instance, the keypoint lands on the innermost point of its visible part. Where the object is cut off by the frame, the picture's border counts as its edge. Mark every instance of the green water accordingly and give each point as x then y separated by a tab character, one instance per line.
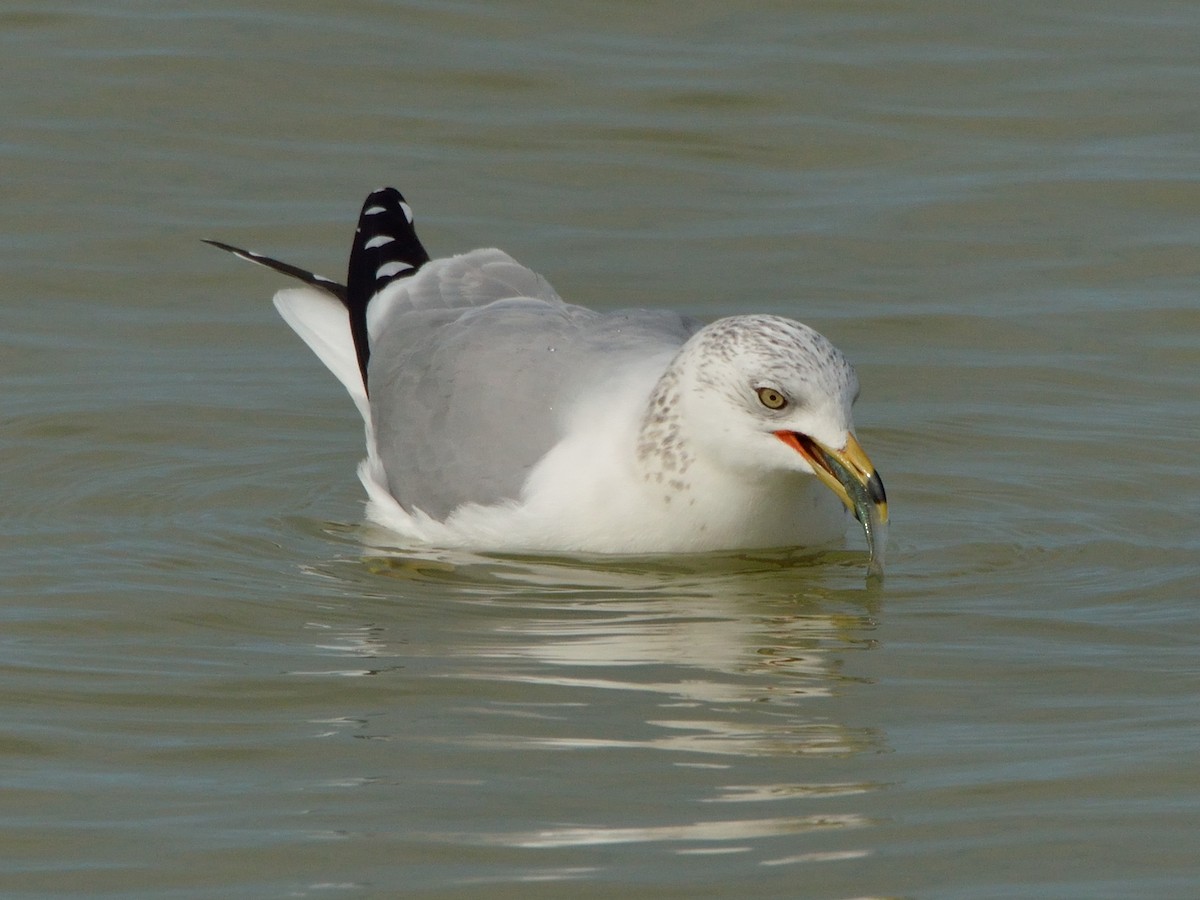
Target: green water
210	688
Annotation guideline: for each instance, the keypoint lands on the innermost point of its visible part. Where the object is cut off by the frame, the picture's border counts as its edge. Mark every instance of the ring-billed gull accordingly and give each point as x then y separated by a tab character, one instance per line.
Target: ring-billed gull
499	417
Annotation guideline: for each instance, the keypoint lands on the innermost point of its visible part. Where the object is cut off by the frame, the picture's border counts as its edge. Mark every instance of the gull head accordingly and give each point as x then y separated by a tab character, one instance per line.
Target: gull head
764	401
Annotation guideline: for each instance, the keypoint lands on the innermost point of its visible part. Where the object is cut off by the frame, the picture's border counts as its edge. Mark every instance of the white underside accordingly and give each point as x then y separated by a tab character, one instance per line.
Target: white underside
588	495
551	520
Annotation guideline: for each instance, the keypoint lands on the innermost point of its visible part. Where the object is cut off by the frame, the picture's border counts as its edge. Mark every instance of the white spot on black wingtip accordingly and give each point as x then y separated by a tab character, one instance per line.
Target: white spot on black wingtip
387	270
407	210
378	241
374	210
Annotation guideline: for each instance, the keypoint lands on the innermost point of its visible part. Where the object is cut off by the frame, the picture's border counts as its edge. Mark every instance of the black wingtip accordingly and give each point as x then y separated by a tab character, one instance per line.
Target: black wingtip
385	248
310	278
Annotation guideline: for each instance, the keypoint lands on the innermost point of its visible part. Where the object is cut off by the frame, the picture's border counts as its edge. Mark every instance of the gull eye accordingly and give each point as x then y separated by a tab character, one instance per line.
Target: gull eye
771	398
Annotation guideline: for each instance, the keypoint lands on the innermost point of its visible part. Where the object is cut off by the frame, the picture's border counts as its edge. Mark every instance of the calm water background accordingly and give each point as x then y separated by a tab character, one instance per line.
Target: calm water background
208	688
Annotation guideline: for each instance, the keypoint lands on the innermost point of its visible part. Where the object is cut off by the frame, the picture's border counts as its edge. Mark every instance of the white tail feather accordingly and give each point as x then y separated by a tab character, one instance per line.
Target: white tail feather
323	324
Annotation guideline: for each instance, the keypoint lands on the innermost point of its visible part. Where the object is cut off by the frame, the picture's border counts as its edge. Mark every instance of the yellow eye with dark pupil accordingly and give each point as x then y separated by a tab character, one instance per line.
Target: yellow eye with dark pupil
771	398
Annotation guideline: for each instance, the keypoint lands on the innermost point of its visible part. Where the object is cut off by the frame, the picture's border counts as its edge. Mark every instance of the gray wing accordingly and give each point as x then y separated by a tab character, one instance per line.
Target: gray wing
457	282
471	383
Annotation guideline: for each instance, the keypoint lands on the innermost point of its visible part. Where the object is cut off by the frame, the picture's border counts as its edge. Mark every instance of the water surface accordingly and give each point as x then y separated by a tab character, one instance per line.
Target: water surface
212	686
